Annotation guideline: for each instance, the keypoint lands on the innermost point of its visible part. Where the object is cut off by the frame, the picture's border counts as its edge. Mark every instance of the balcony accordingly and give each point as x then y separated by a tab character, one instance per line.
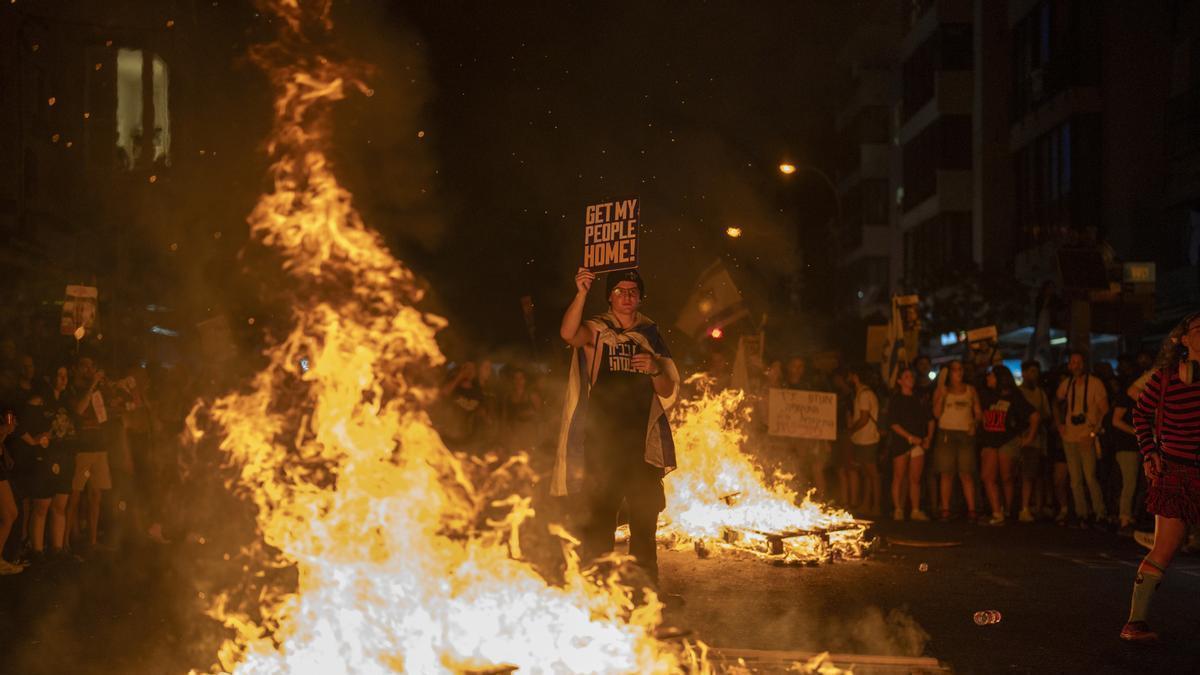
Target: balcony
953	192
953	94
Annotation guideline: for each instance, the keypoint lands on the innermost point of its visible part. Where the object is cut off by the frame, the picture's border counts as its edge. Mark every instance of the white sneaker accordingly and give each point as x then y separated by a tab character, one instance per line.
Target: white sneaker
1144	538
9	568
996	519
918	515
898	514
1026	516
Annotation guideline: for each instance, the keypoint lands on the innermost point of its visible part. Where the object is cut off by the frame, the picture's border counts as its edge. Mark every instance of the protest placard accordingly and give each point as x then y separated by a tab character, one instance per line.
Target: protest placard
79	311
802	414
877	340
610	235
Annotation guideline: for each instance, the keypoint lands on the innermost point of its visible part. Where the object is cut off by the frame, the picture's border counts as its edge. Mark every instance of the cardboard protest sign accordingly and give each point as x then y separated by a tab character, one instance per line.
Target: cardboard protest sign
610	235
983	343
79	311
909	308
802	414
877	340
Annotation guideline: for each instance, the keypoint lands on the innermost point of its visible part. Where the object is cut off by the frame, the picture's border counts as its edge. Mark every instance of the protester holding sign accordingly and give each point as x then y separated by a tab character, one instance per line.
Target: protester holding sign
956	407
615	443
912	432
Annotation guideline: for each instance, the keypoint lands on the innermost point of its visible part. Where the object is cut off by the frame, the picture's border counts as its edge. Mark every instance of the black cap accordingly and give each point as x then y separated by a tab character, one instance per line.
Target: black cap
613	278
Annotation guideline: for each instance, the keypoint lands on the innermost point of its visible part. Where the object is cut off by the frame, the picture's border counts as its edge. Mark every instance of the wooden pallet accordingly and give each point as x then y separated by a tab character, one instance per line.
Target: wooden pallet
782	661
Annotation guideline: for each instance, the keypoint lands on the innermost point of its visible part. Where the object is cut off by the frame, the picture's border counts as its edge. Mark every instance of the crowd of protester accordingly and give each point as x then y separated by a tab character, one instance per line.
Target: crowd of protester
89	452
957	442
966	441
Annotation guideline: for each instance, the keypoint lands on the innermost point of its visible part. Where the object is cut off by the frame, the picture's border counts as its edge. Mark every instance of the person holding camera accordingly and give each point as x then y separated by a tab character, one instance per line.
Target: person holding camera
1084	402
1167	421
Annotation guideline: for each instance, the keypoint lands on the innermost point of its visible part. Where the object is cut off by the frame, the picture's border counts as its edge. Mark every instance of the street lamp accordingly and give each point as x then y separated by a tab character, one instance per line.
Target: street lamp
733	232
787	169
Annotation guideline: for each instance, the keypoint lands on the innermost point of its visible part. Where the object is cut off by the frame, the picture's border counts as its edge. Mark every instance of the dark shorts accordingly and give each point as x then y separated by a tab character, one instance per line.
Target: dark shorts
1176	493
864	455
51	474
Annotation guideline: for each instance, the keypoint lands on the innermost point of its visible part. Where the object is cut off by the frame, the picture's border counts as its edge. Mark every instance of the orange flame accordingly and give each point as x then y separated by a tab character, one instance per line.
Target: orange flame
354	490
719	497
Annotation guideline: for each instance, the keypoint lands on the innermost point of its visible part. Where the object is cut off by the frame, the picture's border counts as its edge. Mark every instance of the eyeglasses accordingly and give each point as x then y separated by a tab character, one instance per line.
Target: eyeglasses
631	293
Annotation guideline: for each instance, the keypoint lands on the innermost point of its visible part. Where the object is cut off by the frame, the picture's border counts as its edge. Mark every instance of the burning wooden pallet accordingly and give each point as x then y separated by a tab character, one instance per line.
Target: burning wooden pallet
762	661
825	543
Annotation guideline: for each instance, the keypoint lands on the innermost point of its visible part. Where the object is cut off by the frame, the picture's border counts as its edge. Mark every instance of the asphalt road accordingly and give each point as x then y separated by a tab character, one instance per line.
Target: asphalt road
1063	595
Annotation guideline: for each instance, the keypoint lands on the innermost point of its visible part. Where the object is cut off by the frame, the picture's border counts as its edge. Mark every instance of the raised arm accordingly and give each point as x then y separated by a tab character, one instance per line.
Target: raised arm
573	331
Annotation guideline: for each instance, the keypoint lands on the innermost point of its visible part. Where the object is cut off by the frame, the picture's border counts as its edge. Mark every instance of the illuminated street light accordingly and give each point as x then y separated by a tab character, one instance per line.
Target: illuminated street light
787	168
733	232
716	333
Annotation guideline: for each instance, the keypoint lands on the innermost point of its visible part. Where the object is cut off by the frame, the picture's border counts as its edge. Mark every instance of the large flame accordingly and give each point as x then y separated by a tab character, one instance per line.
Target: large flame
721	498
396	570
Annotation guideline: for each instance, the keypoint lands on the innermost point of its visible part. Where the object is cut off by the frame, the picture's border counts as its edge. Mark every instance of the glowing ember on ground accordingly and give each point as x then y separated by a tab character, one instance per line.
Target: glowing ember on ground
397	567
719	498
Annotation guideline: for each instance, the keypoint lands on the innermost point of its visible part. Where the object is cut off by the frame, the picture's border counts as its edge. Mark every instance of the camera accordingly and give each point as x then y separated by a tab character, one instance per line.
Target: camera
1078	419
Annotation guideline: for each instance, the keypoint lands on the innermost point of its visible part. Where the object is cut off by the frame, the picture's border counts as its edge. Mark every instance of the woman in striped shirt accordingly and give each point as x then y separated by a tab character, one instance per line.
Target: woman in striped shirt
1167	421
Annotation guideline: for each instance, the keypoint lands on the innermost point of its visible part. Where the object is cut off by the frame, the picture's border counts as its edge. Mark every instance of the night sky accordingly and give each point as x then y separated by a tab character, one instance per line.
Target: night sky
494	124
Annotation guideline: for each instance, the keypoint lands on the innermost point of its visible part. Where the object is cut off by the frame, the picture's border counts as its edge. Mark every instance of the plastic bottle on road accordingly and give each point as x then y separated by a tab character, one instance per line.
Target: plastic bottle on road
987	617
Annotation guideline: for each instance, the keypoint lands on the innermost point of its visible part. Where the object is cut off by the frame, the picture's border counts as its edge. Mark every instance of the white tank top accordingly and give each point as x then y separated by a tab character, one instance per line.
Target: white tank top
957	412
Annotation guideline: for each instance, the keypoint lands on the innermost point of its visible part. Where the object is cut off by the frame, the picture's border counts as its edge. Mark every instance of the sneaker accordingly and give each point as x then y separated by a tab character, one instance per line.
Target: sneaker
1138	632
898	514
1026	516
945	516
9	568
972	517
1061	518
918	515
1083	523
996	519
1144	538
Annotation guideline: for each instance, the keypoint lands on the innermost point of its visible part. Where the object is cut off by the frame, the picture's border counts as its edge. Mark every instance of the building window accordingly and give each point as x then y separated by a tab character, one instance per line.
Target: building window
1055	46
1058	180
134	94
951	47
937	247
944	145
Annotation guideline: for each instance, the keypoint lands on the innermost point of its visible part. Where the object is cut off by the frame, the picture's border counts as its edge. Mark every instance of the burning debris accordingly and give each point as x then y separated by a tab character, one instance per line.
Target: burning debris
397	555
719	500
402	562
